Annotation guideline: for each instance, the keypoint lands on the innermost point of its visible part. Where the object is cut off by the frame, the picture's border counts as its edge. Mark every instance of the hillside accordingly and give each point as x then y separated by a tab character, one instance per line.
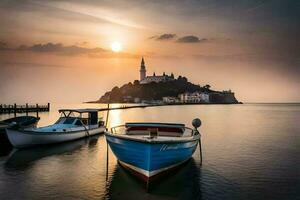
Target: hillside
156	91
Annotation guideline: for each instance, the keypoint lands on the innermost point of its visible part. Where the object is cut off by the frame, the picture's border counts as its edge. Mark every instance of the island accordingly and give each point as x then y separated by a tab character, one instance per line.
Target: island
166	89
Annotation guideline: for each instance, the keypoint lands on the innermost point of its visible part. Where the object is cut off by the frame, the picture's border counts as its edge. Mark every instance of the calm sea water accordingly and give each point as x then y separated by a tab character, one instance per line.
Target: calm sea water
251	151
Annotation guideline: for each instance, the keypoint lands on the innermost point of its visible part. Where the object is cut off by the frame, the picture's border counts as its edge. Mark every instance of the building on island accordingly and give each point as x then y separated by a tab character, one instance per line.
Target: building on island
195	97
127	99
136	100
144	79
204	97
171	100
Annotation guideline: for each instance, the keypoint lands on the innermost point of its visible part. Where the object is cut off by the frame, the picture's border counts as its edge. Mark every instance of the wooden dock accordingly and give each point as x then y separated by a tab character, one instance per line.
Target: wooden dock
9	109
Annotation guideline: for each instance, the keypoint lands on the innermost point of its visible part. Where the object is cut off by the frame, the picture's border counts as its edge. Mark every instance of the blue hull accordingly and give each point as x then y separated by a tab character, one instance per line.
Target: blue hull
148	158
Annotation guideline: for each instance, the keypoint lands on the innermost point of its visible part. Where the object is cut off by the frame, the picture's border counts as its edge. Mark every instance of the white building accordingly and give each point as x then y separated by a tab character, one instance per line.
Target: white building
204	97
136	100
195	97
148	79
170	100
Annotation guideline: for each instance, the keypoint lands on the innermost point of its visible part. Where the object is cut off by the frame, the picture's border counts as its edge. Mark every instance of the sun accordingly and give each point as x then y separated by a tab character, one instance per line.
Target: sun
116	46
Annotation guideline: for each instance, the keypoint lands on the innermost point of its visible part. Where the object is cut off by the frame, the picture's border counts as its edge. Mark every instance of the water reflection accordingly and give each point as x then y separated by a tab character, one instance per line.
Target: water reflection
249	152
73	170
181	184
20	158
5	146
115	118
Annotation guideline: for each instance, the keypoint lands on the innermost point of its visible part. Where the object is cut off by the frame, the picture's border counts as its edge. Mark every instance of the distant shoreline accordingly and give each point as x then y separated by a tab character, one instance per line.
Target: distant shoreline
157	105
165	104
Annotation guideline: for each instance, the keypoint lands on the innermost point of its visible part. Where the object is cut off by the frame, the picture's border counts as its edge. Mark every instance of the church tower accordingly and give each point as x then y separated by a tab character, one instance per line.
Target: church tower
142	70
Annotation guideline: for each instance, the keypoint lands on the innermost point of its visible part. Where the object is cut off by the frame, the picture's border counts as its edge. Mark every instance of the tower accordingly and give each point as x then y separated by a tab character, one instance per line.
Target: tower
172	75
142	70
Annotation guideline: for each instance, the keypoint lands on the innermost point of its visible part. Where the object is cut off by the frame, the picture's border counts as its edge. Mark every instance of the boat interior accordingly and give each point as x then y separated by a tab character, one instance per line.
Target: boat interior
153	130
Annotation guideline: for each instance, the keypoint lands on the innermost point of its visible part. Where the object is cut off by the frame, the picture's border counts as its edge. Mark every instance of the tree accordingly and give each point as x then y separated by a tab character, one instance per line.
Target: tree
184	79
136	82
116	88
206	86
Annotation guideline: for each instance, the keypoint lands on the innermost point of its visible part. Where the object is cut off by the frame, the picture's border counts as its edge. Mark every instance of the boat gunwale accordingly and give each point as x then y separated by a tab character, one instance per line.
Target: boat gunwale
134	124
30	132
151	125
150	141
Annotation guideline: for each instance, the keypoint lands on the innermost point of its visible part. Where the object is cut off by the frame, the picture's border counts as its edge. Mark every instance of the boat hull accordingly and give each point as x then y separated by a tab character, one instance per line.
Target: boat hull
19	122
23	139
147	159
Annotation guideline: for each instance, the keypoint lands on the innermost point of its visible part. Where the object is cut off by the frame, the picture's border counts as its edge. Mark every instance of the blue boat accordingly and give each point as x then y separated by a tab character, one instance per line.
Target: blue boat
148	149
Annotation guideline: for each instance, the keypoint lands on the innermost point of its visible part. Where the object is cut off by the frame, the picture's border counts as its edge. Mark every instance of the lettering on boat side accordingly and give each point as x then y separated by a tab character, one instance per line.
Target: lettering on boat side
166	147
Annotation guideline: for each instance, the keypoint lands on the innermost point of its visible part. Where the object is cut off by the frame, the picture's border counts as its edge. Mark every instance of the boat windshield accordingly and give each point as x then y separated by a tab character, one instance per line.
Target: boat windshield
64	120
78	123
69	120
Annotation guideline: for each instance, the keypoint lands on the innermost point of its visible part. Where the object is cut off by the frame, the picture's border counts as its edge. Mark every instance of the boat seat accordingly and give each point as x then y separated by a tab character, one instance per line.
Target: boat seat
170	134
161	131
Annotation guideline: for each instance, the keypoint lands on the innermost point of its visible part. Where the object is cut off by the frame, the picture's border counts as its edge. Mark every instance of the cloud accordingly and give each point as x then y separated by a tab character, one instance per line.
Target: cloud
183	39
54	48
59	48
3	45
164	37
63	50
190	39
14	63
84	43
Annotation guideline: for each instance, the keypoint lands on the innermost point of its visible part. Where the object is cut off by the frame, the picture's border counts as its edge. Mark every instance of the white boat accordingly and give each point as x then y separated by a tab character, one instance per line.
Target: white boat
73	124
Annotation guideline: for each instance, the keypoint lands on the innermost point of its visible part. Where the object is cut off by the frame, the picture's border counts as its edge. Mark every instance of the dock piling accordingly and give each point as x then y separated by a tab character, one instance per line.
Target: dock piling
26	110
107	161
14	108
200	149
37	110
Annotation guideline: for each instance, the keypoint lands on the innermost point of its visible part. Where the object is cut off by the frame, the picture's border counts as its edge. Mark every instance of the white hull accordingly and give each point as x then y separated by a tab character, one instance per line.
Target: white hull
21	139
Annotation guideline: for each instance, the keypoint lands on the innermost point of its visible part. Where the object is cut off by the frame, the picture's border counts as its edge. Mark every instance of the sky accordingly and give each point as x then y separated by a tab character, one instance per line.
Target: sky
60	51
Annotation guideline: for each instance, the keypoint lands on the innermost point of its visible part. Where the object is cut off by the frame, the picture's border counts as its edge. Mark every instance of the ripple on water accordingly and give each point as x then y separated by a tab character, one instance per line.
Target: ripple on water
250	152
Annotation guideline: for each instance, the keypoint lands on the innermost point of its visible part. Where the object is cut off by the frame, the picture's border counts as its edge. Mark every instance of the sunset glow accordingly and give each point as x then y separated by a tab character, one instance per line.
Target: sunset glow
105	99
116	47
84	38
